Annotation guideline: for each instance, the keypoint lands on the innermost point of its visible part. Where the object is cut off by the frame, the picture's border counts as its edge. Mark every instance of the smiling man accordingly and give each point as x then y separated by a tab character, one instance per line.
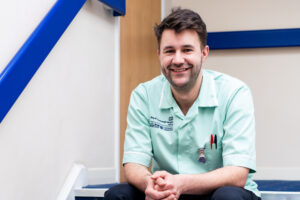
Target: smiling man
196	126
181	58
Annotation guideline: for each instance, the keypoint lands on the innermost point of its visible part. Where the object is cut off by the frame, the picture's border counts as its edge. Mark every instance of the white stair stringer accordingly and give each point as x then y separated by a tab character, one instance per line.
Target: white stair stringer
80	176
76	179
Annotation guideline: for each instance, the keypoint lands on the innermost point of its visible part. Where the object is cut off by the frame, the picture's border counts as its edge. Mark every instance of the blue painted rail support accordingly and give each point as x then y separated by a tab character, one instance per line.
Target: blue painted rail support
119	6
34	51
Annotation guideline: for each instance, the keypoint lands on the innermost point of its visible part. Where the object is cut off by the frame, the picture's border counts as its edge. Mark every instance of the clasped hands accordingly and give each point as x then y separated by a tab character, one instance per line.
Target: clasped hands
163	186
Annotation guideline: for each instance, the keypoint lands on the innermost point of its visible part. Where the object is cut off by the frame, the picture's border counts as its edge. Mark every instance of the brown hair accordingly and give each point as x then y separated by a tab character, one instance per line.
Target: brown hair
180	20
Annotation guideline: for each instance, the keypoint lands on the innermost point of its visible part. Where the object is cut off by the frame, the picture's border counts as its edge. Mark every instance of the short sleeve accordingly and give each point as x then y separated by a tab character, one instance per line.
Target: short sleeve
137	145
239	131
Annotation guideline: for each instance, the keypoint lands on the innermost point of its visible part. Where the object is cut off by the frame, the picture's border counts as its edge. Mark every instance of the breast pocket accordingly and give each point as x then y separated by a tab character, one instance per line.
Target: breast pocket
213	156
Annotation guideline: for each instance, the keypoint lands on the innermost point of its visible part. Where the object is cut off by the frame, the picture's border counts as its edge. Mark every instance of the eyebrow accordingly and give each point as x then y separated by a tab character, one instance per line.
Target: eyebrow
184	46
168	47
188	46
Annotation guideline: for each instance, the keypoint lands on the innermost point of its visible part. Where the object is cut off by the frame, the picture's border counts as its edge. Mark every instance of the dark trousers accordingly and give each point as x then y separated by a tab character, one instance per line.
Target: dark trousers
125	191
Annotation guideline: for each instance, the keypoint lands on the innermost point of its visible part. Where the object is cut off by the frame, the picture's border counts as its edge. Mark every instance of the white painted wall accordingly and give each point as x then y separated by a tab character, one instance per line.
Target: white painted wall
272	74
69	111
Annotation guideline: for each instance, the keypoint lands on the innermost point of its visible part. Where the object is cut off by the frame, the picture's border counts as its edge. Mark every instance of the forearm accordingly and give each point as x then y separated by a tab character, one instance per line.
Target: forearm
207	182
137	175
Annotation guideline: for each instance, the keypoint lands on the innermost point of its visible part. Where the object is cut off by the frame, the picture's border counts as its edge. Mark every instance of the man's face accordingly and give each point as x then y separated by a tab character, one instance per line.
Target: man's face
181	58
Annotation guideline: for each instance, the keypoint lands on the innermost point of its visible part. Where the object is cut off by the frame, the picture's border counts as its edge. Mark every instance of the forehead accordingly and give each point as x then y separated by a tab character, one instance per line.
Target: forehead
187	37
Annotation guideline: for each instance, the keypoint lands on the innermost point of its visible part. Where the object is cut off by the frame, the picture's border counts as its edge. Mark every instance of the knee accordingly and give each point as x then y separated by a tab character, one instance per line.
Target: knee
229	193
114	193
121	191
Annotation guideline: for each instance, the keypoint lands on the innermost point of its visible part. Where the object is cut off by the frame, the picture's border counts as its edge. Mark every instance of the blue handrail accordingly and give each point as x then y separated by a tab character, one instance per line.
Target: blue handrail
254	39
34	51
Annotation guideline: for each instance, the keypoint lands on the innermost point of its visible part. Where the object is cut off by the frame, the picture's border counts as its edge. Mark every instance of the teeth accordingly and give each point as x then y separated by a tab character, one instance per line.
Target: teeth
179	70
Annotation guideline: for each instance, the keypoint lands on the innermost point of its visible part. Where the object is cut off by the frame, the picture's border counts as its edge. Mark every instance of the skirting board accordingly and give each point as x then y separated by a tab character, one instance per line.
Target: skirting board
80	176
271	173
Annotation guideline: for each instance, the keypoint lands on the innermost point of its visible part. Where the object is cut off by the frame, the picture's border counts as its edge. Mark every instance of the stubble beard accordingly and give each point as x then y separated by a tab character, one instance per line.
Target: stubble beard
191	82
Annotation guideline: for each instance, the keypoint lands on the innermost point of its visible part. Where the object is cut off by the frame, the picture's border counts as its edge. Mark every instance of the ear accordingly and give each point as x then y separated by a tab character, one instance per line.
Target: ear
158	53
205	52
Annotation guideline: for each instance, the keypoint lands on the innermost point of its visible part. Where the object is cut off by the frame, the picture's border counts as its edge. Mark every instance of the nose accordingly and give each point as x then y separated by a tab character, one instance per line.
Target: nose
178	58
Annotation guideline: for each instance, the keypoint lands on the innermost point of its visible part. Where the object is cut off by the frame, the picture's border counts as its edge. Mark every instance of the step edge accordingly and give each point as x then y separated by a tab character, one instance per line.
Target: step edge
280	192
90	192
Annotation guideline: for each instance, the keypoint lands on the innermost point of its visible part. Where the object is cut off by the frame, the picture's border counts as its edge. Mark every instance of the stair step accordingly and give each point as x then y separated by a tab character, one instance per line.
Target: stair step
92	192
276	195
88	198
279	190
278	185
270	190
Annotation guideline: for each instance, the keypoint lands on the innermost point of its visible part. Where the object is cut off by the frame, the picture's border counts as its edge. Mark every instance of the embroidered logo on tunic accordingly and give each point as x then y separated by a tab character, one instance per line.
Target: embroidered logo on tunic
162	124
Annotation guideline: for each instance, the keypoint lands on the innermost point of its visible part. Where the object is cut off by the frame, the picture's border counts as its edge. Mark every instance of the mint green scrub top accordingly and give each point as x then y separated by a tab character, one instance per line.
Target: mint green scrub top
158	131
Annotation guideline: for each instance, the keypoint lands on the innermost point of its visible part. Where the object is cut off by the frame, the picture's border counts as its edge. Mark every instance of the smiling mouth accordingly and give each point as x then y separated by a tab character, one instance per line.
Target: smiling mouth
179	70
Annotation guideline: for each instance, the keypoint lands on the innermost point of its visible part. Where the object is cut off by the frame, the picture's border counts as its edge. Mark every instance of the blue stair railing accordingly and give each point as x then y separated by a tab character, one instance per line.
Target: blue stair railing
28	59
19	71
254	39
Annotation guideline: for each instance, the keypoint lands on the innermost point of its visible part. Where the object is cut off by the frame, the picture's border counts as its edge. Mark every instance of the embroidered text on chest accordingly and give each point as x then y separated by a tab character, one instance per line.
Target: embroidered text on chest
162	124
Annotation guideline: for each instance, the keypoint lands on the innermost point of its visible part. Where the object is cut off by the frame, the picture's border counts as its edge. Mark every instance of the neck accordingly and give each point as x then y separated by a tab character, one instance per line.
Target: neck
186	98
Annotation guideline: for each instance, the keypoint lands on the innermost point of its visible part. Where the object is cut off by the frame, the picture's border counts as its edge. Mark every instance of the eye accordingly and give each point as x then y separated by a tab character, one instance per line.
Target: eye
187	50
169	51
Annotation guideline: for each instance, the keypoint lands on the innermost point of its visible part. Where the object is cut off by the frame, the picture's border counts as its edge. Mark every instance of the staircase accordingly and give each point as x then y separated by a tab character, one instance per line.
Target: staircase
270	190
